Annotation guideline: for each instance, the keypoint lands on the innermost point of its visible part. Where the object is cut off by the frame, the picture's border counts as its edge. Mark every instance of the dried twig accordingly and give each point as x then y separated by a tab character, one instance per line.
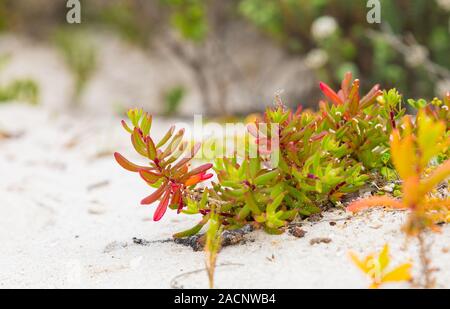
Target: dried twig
434	70
174	283
427	271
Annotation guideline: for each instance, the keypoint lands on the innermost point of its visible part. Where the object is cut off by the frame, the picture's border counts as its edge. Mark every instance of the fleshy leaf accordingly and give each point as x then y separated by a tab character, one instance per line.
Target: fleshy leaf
149	177
375	201
198	170
404	155
126	127
151	149
266	178
192	231
129	165
138	143
429	138
441	173
330	94
162	207
155	195
166	137
401	273
362	264
383	258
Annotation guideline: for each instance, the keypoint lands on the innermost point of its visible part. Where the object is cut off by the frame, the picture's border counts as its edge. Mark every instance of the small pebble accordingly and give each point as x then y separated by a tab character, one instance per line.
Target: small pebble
320	240
297	231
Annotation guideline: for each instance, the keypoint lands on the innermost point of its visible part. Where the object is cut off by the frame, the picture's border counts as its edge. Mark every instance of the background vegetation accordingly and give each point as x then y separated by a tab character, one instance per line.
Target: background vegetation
408	49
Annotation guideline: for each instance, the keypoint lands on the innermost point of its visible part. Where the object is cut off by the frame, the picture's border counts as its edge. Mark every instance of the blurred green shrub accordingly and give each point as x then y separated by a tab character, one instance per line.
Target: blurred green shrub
24	90
173	98
79	52
189	18
333	34
137	20
121	17
152	24
3	16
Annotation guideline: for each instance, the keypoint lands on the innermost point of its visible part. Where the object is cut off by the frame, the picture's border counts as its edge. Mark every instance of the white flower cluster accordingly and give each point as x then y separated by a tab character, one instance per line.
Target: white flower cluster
416	56
316	58
444	4
442	87
323	27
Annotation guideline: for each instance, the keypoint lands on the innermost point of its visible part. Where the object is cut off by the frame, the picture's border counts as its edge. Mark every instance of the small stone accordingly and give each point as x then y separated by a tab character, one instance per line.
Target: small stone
319	240
388	188
97	209
315	217
297	231
375	226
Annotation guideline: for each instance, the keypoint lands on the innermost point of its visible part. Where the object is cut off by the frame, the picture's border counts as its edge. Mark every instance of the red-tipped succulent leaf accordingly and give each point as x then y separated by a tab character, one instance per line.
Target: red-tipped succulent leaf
162	207
129	166
330	94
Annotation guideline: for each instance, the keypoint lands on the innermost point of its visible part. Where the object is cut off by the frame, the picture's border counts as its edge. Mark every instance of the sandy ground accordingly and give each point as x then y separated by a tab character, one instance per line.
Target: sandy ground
68	215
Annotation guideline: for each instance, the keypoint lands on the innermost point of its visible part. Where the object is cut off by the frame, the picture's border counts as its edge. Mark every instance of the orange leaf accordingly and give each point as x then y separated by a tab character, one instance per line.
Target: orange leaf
162	207
375	201
370	98
129	165
199	170
404	155
362	265
401	273
383	258
329	93
149	177
439	174
155	195
345	85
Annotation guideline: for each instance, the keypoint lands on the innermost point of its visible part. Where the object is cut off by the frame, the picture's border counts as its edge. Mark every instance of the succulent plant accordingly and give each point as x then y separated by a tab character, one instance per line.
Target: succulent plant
295	163
167	170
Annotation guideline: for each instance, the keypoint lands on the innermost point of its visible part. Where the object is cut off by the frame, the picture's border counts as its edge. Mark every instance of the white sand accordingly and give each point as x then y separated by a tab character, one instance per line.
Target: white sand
68	214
